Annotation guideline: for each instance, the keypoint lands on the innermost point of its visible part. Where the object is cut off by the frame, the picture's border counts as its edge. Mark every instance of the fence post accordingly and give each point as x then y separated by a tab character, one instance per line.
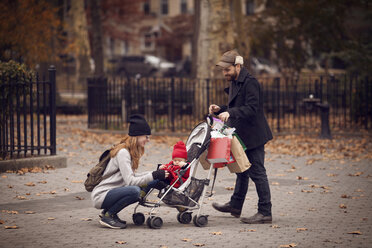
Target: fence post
172	103
52	81
277	83
367	103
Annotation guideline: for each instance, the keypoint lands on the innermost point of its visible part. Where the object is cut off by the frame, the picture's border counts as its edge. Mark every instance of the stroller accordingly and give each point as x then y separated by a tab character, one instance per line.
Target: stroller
190	194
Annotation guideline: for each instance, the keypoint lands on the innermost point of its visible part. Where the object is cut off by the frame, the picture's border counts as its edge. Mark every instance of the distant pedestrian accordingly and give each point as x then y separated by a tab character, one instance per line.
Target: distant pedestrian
121	187
244	112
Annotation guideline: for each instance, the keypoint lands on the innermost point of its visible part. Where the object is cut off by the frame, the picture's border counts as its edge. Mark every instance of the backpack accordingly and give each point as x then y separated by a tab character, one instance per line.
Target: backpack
94	176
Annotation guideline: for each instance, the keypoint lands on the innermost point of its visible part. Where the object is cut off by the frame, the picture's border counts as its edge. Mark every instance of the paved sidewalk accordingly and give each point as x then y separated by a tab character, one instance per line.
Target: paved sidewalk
317	202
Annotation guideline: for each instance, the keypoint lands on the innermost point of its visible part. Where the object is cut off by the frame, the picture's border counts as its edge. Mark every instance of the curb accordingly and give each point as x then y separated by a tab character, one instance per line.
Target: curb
57	161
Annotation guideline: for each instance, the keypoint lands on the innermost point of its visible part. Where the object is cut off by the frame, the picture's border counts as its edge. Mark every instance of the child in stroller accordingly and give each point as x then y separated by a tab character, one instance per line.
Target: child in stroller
179	158
190	194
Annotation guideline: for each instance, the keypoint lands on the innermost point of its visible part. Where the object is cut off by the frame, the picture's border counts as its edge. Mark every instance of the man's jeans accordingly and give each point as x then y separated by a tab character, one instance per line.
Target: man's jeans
257	173
119	198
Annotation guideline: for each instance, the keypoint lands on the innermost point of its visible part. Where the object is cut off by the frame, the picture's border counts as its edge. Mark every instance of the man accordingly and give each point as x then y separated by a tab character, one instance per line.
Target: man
244	111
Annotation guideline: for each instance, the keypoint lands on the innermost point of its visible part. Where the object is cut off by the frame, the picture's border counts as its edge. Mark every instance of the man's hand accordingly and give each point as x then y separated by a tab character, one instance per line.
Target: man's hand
213	108
224	116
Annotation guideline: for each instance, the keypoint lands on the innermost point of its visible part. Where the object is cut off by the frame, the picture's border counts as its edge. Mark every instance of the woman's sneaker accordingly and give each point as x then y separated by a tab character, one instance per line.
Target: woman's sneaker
112	221
115	216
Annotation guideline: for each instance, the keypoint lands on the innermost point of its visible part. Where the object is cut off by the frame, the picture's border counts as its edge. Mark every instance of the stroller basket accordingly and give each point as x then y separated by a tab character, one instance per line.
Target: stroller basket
193	191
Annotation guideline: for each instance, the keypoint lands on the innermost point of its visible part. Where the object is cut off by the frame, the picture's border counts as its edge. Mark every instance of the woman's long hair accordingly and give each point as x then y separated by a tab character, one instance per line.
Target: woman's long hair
130	143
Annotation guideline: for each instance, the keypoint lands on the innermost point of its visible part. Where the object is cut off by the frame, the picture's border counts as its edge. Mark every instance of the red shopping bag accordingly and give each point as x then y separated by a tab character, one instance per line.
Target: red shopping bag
219	150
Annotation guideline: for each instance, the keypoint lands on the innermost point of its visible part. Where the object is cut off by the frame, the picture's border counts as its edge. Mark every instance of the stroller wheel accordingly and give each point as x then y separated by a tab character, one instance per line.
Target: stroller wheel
201	220
184	217
154	222
138	218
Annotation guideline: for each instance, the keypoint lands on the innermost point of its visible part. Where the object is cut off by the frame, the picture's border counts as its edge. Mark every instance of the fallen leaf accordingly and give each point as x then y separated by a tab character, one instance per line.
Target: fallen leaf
301	229
274	183
11	227
29	212
199	244
216	233
86	219
9	211
342	206
4	176
289	245
357	174
307	191
251	230
30	184
163	246
2	222
51	218
186	240
10	186
43	182
79	198
20	197
80	181
332	175
229	188
359	190
121	242
275	226
290	192
312	209
355	232
66	189
345	196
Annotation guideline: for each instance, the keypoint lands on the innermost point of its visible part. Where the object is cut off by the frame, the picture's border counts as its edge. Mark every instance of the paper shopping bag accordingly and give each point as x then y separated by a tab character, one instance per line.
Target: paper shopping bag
203	160
242	163
219	150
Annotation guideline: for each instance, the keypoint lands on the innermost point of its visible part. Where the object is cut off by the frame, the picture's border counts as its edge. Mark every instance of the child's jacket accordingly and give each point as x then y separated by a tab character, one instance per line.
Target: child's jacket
172	169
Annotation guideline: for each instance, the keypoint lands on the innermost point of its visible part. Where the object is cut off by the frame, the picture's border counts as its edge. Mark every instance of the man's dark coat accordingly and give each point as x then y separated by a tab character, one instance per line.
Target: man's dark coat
245	107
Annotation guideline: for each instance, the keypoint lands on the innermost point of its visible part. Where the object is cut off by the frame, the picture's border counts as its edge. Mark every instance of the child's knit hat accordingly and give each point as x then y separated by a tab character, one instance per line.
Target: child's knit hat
179	150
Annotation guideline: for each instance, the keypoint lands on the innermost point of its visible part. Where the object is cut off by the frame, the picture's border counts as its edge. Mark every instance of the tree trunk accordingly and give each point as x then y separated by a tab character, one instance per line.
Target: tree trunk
97	37
81	43
215	36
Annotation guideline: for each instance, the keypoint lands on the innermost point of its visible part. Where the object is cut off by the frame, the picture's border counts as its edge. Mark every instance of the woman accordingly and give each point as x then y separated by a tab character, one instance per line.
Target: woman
120	187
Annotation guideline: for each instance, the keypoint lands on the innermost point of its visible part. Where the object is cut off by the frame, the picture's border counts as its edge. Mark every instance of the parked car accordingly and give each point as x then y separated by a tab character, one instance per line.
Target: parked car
262	66
142	65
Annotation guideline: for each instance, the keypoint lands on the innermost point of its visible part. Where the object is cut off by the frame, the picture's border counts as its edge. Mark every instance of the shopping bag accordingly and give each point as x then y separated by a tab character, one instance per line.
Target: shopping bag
241	163
203	160
219	150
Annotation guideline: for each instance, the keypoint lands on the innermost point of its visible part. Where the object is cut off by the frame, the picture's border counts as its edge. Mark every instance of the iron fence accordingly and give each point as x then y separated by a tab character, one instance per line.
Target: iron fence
177	104
28	116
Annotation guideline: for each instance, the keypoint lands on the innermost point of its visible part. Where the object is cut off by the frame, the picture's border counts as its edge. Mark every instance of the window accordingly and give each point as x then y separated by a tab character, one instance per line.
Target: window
183	6
249	7
146	7
164	7
148	41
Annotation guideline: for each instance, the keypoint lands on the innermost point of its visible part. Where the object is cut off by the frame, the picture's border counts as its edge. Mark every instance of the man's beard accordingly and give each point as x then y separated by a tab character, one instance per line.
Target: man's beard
231	77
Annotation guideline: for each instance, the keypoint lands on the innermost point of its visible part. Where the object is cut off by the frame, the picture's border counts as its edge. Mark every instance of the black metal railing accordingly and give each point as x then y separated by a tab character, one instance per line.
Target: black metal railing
28	116
177	104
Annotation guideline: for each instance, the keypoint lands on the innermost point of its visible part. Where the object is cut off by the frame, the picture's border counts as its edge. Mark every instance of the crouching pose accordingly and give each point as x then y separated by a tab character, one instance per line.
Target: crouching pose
120	186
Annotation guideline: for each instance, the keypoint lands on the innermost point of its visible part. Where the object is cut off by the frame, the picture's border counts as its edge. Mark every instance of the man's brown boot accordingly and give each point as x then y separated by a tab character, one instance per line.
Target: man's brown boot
258	218
227	208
